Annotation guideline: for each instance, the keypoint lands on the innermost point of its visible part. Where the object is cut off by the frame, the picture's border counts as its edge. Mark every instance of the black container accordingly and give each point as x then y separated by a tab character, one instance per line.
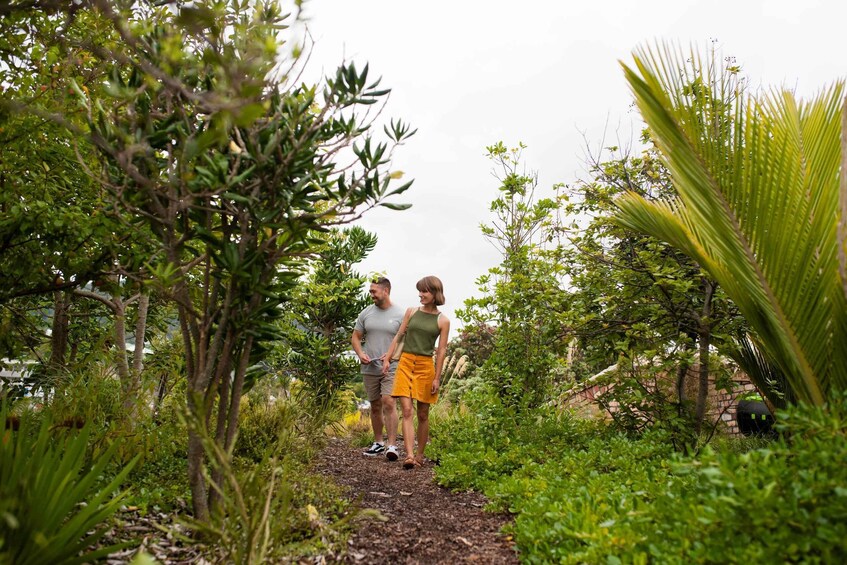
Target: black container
754	418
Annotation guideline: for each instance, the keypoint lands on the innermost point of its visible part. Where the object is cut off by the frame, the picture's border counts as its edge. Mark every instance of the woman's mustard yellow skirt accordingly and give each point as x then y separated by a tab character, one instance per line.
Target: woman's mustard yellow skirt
414	376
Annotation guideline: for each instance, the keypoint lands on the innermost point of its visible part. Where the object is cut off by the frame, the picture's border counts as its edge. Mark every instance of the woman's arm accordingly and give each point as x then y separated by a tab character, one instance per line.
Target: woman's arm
441	351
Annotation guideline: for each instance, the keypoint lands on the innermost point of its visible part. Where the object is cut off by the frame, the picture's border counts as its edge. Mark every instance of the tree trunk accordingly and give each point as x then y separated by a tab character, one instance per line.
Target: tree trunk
681	374
237	388
59	336
119	309
705	339
196	480
220	433
140	333
132	386
130	379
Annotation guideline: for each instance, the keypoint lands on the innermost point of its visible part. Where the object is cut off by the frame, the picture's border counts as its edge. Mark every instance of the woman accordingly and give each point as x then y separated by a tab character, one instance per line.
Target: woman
417	377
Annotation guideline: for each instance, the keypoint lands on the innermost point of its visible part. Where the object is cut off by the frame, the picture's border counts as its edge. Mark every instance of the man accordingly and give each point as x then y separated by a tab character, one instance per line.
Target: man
377	325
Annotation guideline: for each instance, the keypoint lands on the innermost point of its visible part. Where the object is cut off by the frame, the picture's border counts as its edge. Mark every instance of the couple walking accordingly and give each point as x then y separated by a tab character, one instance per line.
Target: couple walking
414	376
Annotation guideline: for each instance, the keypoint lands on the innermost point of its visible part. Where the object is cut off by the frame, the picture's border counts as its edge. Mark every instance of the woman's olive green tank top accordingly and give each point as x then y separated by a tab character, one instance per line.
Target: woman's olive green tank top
421	333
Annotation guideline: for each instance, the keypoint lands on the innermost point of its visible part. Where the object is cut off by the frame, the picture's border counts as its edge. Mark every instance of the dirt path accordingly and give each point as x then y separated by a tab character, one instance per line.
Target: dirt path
424	522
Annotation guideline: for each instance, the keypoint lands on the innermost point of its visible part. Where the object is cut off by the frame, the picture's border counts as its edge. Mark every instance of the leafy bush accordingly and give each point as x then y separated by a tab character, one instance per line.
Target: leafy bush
476	448
264	424
783	503
53	502
582	492
91	394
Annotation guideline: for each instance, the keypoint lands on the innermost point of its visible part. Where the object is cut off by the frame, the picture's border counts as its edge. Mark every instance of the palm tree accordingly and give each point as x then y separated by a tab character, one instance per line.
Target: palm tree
761	206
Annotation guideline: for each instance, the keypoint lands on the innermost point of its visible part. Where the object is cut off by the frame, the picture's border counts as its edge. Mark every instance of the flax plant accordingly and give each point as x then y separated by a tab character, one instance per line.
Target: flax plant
758	180
54	503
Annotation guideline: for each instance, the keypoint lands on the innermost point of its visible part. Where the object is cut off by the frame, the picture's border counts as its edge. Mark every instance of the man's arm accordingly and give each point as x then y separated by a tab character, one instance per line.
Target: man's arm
356	342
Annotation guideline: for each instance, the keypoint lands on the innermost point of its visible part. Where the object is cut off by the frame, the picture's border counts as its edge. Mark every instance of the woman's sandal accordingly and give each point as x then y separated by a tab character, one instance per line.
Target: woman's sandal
411	463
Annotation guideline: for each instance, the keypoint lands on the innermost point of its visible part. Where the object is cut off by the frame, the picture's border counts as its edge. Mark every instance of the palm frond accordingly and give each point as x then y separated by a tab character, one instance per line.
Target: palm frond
758	185
762	372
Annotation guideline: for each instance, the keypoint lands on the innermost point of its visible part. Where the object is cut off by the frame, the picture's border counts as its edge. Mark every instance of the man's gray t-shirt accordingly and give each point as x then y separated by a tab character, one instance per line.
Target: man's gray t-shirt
378	327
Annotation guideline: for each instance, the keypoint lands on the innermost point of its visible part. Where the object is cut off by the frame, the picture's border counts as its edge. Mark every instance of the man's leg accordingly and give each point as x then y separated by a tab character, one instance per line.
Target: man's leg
372	389
389	411
376	419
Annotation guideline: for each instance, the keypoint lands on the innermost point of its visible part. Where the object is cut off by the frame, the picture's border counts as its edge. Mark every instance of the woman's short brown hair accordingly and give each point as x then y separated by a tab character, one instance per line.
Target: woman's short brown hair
432	284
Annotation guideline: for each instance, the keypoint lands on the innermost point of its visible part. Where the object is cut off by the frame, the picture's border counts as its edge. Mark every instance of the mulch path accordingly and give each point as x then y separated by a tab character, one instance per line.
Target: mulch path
404	518
420	521
159	534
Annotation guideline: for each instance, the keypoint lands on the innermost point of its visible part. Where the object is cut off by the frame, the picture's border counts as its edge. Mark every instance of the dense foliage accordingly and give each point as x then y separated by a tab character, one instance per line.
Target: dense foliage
161	169
584	493
318	320
651	287
195	134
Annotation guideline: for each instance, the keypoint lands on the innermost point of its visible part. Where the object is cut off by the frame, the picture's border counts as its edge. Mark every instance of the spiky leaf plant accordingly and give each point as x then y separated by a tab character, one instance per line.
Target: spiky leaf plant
53	502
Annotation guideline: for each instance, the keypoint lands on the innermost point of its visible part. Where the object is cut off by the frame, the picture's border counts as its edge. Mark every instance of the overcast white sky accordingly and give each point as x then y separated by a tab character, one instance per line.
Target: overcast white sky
469	73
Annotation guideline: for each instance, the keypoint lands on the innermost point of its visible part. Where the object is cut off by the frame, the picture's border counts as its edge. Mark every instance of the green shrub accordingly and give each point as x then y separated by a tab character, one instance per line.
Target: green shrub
263	425
572	514
583	493
783	503
271	507
91	394
476	448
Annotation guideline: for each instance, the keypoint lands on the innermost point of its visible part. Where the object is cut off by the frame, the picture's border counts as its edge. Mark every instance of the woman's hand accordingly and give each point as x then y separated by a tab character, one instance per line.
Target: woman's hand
435	384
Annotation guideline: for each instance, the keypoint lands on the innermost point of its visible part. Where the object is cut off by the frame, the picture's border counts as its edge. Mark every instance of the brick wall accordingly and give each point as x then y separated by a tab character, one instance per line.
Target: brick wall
720	405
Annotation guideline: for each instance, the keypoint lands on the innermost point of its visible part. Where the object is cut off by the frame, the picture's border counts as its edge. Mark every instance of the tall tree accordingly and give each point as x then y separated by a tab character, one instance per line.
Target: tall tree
237	172
55	230
635	296
522	295
318	321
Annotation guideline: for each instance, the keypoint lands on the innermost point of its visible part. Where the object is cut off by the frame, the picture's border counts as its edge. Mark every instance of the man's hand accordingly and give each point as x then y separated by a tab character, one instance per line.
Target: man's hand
364	359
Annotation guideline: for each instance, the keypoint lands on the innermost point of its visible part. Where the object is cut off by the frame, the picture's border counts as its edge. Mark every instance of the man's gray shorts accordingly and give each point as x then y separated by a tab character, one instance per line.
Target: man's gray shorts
377	386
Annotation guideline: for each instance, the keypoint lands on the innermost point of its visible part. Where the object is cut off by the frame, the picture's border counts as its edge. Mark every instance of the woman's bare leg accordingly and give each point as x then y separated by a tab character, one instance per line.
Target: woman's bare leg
408	425
423	429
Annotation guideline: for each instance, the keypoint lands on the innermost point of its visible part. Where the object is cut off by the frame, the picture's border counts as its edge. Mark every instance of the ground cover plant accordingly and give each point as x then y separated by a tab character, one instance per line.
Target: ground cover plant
584	493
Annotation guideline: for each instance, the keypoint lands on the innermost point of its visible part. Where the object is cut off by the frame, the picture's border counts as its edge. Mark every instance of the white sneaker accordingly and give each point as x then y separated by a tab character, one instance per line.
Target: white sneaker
374	450
391	453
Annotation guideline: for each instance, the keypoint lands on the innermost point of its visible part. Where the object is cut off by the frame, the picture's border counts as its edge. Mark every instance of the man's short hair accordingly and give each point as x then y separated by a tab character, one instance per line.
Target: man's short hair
383	282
